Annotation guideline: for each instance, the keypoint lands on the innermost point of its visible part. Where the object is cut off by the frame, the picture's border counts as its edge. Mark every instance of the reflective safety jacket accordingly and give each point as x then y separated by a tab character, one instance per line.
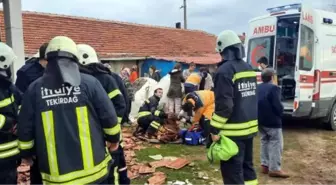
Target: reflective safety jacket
194	78
149	107
68	127
235	113
10	99
109	84
27	74
204	102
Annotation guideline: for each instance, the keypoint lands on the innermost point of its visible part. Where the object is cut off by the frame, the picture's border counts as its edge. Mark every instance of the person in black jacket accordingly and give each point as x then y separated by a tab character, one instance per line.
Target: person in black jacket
32	70
91	65
124	92
150	118
235	115
10	100
68	121
270	110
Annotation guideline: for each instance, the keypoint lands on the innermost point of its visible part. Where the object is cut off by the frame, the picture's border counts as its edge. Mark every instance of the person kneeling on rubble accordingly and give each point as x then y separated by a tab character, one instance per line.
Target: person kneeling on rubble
92	66
202	103
150	118
9	107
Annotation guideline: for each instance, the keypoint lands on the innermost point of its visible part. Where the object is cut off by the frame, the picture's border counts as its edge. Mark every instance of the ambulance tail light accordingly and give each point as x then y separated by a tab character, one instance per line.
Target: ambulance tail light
317	84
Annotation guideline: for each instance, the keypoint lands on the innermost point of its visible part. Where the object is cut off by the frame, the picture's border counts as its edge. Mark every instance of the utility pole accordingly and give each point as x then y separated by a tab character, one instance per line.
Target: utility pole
184	6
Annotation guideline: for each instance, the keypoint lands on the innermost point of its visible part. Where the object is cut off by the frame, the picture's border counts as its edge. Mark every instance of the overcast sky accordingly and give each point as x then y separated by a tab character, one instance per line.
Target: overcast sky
210	15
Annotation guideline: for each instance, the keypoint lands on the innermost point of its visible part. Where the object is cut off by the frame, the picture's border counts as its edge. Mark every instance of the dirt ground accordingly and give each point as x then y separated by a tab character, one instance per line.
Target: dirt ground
309	155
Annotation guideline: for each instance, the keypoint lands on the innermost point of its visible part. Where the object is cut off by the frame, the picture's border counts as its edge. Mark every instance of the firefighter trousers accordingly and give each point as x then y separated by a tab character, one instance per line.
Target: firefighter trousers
239	169
118	172
150	123
8	172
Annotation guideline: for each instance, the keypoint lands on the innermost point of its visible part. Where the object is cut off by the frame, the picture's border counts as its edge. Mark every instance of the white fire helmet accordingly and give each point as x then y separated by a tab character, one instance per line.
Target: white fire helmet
87	54
62	46
225	39
7	56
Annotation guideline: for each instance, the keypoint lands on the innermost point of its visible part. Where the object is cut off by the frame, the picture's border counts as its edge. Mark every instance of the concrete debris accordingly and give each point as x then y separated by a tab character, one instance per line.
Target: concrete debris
186	182
170	158
203	175
191	164
156	157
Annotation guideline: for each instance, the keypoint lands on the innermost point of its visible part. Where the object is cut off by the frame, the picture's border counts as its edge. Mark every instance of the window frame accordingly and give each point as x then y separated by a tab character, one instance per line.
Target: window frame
271	52
301	63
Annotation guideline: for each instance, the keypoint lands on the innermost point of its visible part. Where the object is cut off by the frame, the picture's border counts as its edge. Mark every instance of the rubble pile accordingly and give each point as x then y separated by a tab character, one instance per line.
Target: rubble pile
23	174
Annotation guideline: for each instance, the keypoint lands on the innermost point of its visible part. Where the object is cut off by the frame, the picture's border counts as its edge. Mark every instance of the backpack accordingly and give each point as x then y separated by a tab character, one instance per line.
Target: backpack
192	137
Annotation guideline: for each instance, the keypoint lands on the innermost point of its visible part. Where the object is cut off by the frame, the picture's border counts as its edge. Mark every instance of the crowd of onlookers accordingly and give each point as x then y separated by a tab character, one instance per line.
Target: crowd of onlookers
177	77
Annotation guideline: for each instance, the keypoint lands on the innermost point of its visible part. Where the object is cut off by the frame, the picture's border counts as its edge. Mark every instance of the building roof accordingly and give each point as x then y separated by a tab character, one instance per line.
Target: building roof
113	39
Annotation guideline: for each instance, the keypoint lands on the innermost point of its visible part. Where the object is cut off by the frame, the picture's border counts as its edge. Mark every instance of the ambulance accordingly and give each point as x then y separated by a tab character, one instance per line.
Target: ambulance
299	42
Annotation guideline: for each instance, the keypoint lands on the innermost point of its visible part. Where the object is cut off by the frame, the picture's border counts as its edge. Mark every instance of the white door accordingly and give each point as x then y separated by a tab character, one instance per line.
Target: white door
304	68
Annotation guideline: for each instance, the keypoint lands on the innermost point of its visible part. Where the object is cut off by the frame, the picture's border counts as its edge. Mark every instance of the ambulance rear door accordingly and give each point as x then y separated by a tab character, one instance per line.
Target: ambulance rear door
261	38
306	77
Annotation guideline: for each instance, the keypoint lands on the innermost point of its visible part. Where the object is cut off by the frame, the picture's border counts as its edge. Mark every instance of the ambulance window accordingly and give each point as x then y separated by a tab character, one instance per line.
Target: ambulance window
306	48
260	47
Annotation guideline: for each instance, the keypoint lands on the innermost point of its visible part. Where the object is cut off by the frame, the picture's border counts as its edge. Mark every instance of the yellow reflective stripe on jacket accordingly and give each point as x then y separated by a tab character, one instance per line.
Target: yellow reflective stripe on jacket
85	136
251	182
9	153
81	176
2	120
157	113
6	146
239	126
238	133
113	131
245	74
26	145
144	113
49	134
155	124
219	118
6	101
119	119
114	93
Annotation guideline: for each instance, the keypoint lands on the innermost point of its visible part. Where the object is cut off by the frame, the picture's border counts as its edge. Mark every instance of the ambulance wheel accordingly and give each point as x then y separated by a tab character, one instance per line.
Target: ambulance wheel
331	124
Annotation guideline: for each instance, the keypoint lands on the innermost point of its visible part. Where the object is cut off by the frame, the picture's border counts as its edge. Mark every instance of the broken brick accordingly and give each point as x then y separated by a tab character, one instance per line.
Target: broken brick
132	175
158	164
144	169
158	178
178	163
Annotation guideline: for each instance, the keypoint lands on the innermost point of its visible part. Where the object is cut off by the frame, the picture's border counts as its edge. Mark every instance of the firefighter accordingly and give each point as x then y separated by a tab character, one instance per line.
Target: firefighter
123	91
192	83
150	118
31	70
26	75
10	98
202	103
235	115
91	65
68	117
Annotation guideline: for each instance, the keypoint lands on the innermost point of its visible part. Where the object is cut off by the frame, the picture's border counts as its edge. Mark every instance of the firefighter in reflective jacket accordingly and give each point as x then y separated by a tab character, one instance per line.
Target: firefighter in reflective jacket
150	118
10	99
203	104
91	65
235	113
69	120
192	83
